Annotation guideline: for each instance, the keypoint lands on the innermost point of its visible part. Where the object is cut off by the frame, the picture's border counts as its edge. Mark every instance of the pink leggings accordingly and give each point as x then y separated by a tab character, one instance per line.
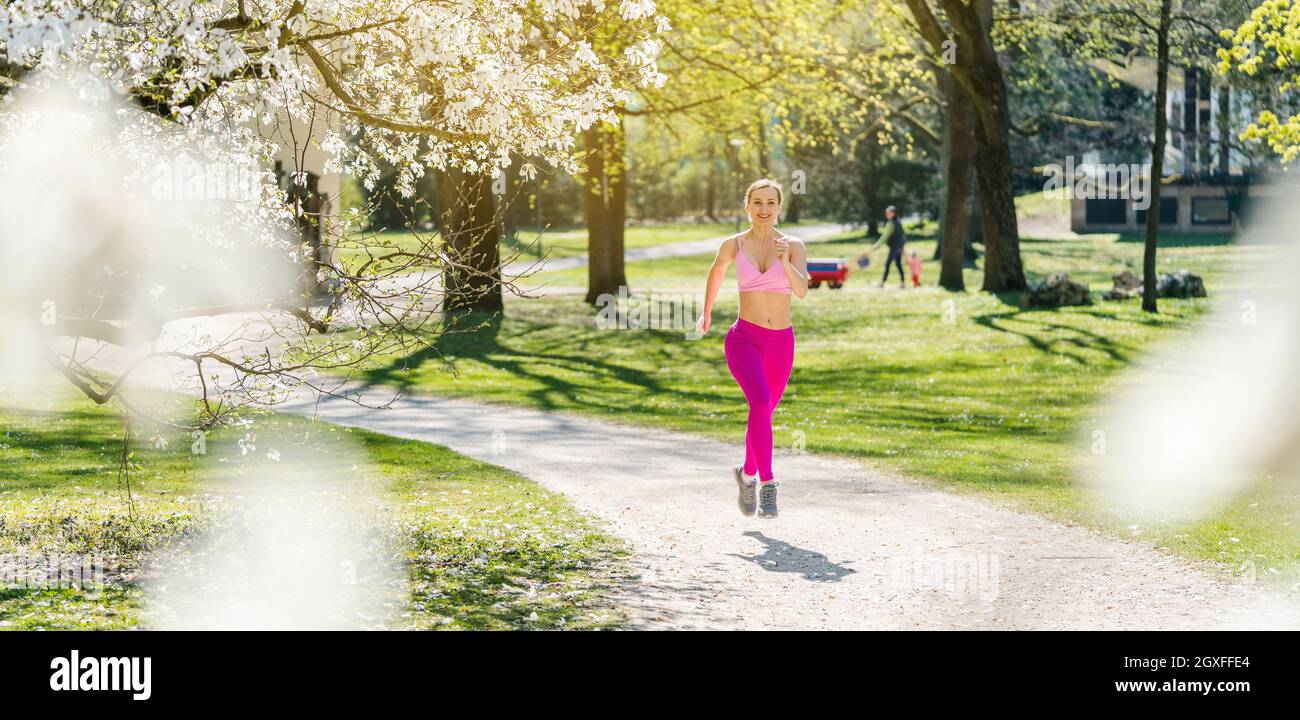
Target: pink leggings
760	359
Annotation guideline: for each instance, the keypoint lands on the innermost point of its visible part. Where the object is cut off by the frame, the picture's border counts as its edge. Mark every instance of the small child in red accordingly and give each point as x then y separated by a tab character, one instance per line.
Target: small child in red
914	263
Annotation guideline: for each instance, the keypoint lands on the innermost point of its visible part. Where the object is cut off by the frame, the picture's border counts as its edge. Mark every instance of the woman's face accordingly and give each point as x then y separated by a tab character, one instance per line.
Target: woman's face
764	206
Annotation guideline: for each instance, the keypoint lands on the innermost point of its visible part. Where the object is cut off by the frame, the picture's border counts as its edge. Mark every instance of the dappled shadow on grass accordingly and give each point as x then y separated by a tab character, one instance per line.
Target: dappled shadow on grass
1099	308
965	407
574	349
658	378
484	344
61	438
1076	337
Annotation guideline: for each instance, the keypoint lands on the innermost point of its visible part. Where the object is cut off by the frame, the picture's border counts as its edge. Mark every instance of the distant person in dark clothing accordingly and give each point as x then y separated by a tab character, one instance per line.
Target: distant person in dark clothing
893	236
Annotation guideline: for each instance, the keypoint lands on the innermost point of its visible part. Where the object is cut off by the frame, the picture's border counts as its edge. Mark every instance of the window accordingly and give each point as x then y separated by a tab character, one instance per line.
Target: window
1168	212
1106	211
1211	211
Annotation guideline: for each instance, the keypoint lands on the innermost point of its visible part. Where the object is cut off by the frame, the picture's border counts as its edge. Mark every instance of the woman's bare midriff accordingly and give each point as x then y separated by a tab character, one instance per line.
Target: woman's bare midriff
768	309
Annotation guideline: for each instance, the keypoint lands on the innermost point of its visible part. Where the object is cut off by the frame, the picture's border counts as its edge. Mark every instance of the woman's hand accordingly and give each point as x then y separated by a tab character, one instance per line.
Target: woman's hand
702	327
782	250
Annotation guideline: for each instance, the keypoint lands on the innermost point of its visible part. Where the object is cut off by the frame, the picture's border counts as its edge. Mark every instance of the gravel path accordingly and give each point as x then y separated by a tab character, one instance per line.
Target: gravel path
854	548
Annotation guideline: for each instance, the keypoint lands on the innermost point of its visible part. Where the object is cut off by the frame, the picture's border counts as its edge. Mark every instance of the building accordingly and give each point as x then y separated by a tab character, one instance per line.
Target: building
1208	185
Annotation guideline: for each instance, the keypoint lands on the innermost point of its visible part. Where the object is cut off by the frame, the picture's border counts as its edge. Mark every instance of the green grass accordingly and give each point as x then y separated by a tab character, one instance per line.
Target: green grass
482	547
966	390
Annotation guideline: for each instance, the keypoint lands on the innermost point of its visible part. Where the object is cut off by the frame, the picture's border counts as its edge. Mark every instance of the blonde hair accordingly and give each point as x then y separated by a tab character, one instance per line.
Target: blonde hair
762	183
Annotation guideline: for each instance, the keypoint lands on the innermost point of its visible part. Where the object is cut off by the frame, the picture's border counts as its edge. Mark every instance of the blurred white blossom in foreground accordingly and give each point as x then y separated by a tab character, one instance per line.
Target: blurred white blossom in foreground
1201	417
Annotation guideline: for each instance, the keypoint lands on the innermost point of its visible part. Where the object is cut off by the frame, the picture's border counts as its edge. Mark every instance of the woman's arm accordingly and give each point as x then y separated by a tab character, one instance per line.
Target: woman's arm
795	263
885	234
718	270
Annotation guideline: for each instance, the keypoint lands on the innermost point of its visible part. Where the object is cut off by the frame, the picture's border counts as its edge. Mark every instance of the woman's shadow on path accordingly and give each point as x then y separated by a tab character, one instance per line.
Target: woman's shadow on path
781	556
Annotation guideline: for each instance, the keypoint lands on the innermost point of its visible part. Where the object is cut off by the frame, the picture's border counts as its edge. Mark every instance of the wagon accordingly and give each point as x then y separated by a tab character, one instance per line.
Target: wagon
832	271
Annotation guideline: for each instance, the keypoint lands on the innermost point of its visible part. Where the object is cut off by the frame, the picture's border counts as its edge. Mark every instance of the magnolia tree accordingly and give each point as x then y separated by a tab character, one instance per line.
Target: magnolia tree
469	86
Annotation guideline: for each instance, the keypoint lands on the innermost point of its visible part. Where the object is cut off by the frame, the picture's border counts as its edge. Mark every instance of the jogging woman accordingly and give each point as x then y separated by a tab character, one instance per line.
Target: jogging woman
759	346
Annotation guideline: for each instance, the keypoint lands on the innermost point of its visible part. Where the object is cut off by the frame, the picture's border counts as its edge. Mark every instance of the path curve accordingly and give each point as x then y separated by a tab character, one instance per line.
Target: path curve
854	547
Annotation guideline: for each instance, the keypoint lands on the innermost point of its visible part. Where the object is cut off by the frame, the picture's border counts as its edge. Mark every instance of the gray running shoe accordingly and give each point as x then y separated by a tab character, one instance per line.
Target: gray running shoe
746	500
767	499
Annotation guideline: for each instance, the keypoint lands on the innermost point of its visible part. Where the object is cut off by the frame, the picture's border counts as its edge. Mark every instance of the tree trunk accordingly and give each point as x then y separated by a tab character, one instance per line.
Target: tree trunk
1225	127
974	225
509	209
794	209
958	150
616	170
870	198
711	191
972	233
1157	161
595	209
467	220
307	204
945	165
979	74
605	204
1002	267
762	148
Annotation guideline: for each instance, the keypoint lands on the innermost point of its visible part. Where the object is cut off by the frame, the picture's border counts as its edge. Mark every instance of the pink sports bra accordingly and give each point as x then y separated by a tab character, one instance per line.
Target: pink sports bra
750	279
